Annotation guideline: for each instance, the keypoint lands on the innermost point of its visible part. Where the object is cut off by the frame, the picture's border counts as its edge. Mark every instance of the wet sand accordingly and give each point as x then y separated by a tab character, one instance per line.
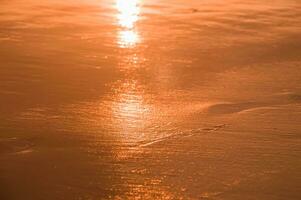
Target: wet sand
173	99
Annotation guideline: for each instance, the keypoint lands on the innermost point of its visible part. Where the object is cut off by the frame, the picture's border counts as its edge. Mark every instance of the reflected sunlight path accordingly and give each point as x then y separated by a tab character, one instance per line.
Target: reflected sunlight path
130	109
128	15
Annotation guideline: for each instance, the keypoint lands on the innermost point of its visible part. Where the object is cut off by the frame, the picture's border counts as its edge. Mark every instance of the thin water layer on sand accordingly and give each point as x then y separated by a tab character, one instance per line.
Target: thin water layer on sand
140	99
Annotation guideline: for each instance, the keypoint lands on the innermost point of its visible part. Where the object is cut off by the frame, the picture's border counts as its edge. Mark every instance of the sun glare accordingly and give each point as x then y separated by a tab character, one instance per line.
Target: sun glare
127	38
128	12
128	15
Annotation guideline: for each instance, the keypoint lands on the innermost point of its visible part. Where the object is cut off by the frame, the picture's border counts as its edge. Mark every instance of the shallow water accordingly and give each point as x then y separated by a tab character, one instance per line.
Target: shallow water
141	99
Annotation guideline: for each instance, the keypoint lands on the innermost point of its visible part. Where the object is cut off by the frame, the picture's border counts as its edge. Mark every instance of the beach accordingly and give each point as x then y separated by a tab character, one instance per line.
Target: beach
141	99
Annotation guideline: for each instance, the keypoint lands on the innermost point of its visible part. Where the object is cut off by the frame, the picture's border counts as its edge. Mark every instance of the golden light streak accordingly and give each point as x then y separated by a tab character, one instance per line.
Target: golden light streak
127	38
128	15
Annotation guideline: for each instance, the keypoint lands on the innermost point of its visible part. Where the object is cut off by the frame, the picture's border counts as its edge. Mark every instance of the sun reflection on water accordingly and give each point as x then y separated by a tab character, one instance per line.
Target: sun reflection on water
128	15
130	108
128	12
127	38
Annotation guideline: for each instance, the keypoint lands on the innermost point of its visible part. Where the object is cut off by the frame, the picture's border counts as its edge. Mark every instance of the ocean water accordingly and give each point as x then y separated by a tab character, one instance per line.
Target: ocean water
149	99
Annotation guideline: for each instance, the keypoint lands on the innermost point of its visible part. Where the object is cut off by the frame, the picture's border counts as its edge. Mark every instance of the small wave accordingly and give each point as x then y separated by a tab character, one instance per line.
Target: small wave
15	146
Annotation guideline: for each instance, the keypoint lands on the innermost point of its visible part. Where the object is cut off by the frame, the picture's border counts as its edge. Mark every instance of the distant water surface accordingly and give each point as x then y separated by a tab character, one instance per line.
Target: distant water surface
149	99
